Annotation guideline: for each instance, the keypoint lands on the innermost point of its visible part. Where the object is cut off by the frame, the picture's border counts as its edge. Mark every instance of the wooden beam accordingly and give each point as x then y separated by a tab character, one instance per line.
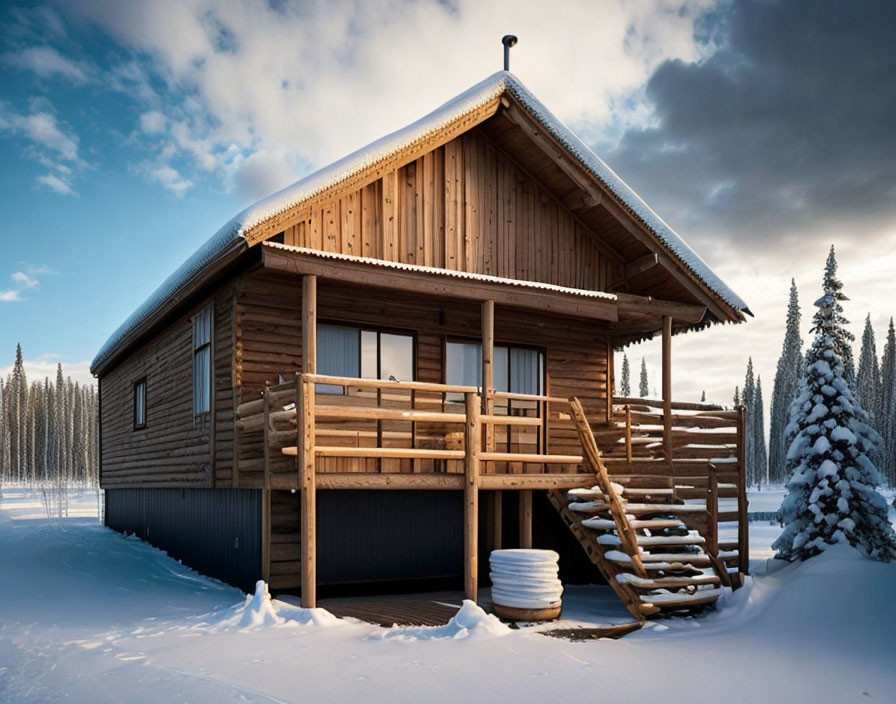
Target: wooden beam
645	305
667	387
309	324
281	258
743	525
641	264
488	369
525	499
472	442
309	496
266	535
497	519
537	482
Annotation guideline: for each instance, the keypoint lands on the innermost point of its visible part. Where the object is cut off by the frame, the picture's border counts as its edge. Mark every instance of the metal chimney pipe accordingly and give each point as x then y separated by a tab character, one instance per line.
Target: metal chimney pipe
508	40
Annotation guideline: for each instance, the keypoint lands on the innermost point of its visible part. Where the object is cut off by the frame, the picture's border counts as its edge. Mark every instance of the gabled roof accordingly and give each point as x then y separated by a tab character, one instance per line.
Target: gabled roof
232	236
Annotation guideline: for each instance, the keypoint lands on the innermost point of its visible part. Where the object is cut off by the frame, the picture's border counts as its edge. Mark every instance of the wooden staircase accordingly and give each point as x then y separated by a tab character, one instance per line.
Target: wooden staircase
634	534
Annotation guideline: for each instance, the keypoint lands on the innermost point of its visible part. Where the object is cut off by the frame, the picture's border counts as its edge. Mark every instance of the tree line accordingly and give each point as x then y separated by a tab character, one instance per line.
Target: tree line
49	430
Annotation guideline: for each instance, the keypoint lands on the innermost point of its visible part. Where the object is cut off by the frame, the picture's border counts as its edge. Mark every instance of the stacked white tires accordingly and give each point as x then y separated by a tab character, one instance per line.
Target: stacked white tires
525	586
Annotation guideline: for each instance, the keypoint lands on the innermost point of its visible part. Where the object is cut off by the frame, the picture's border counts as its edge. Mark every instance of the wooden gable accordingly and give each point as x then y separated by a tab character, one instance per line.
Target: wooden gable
469	206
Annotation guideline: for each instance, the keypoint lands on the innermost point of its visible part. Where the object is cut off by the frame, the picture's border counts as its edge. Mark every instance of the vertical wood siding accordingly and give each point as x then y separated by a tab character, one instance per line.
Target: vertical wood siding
464	206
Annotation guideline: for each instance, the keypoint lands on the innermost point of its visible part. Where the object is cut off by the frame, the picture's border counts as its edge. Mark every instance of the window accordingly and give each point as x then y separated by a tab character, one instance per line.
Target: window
516	369
140	404
366	354
202	361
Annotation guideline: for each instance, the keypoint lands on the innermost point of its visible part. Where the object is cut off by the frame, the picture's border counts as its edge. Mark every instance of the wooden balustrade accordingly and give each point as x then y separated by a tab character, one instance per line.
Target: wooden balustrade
443	436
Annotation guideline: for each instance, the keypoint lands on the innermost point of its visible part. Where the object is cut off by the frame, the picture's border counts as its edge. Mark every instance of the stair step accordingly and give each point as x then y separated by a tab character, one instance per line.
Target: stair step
608	524
666	582
692	538
703	596
695	558
649	492
641	509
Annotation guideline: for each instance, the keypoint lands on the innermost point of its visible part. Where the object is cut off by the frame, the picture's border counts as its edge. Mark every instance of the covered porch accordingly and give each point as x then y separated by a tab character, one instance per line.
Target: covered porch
379	434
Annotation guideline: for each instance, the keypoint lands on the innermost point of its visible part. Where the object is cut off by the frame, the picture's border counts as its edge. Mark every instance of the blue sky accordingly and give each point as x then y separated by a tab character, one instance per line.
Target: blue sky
130	132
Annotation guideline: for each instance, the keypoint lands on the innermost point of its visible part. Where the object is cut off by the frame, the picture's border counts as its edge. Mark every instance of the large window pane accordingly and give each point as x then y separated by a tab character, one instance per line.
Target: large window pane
525	371
369	363
463	365
338	354
396	357
500	369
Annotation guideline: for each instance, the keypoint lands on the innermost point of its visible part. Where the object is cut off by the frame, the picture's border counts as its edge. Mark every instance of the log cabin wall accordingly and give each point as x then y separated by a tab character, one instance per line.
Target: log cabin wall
269	336
465	206
174	449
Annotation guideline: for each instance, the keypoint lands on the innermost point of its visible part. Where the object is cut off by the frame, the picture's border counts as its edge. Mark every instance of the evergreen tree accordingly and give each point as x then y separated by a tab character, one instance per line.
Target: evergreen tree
703	396
626	377
747	398
831	495
786	379
760	455
842	338
736	396
868	382
886	409
644	387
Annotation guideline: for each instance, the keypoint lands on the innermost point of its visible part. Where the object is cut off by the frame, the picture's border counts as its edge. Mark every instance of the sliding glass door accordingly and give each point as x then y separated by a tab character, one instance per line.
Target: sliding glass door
362	353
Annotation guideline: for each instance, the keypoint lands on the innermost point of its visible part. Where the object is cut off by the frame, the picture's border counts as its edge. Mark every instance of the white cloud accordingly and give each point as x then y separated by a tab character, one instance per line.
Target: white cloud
153	122
344	74
262	173
48	140
23	281
170	178
56	183
47	62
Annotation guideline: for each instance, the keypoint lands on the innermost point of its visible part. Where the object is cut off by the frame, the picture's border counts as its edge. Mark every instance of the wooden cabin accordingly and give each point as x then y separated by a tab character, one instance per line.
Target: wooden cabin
370	379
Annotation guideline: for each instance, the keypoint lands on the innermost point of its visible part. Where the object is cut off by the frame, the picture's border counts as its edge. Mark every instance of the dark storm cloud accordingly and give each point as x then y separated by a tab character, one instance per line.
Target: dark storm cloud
791	123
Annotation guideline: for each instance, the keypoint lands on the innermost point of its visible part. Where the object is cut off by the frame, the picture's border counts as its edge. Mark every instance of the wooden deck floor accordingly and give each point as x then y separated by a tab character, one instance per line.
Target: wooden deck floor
609	620
429	609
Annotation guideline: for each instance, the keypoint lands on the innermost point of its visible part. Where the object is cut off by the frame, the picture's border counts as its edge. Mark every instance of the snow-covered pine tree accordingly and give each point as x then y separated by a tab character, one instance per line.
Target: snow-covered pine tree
747	397
703	396
787	377
886	408
842	337
760	454
831	495
736	396
626	377
868	383
644	386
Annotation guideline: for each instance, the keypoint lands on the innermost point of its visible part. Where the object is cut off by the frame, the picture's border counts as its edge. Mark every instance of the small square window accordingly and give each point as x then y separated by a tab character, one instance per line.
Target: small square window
140	404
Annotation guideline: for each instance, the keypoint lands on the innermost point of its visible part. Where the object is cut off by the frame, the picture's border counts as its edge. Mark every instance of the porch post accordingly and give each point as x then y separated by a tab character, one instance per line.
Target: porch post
305	421
488	405
525	518
472	443
667	387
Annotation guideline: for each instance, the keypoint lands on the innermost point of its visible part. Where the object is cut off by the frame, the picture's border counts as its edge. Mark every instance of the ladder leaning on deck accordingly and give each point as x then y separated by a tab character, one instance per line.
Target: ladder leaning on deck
636	538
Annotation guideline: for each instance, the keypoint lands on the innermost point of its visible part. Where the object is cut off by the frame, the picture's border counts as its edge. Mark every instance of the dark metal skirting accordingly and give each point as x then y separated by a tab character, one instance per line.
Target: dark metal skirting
217	532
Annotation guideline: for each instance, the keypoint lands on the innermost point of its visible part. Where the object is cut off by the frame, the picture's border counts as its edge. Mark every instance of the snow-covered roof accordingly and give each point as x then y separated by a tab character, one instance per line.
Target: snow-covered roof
464	104
453	273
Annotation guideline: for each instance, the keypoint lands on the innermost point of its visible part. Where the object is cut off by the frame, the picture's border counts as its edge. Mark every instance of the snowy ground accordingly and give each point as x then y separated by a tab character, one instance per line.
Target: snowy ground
87	615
